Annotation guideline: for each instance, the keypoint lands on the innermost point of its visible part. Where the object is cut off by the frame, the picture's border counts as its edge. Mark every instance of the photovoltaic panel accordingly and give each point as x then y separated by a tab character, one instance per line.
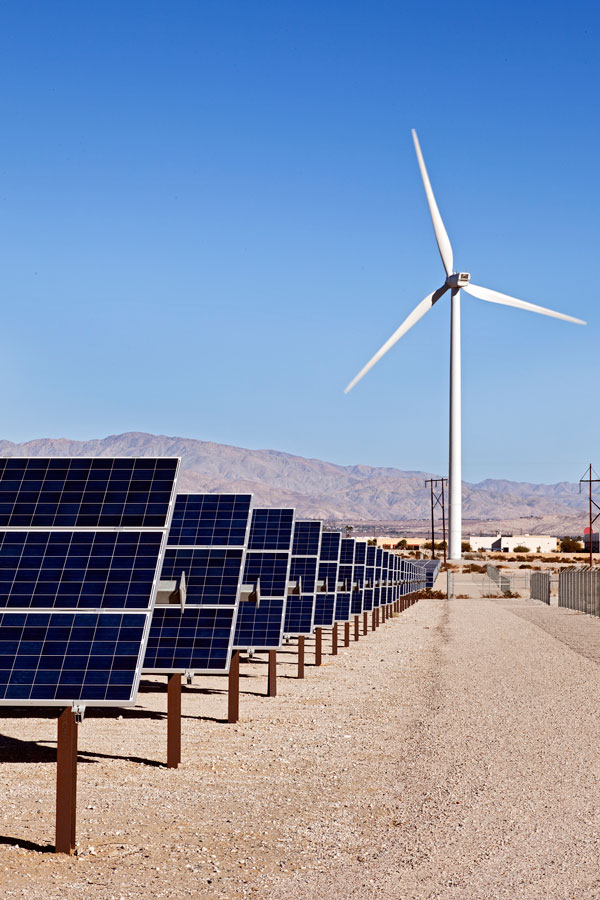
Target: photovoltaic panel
377	589
345	582
360	555
385	578
207	544
81	546
369	578
300	608
81	492
329	561
260	621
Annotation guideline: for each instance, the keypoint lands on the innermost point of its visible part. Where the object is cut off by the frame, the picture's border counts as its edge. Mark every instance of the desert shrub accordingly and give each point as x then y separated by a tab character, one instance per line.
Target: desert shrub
465	547
522	549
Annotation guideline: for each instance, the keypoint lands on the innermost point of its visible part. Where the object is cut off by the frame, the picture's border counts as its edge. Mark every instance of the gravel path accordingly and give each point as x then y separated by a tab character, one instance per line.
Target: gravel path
452	753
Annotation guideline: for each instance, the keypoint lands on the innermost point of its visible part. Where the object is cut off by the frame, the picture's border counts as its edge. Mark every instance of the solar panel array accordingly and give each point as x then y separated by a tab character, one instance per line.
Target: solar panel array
260	620
300	608
83	543
81	547
207	545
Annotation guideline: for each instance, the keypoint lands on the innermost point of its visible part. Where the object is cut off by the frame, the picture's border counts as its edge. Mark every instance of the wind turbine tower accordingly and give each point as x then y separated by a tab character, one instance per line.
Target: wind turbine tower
455	282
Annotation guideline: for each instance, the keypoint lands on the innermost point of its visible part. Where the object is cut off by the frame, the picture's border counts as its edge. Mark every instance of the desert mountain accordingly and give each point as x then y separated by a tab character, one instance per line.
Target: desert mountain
320	489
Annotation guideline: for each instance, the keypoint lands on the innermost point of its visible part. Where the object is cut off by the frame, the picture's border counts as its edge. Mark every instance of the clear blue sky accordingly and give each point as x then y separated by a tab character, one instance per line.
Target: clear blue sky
211	216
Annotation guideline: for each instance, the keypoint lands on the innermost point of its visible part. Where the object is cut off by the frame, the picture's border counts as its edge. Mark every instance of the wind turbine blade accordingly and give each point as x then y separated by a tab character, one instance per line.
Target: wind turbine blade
441	235
496	297
417	313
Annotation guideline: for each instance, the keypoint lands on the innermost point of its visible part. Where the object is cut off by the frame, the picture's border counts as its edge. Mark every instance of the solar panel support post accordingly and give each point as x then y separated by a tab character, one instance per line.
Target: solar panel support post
301	656
365	622
272	674
174	720
334	640
318	646
233	689
66	782
346	634
356	628
373	617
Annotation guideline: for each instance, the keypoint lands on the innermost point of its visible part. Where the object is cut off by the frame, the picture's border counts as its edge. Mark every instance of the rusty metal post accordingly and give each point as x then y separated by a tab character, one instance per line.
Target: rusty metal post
346	634
365	622
334	640
373	619
66	782
272	676
301	656
174	720
318	646
233	691
356	628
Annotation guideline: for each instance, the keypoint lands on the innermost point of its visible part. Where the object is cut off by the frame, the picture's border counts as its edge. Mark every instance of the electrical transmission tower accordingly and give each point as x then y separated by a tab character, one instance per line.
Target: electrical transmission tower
593	506
437	499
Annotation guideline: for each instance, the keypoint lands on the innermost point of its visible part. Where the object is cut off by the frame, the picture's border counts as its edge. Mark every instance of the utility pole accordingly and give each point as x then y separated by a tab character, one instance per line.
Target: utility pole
593	506
438	499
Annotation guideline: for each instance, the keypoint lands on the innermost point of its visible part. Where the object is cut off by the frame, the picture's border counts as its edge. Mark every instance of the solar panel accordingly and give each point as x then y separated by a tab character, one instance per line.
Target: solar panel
329	561
358	577
377	589
261	616
81	546
346	571
369	578
207	545
300	608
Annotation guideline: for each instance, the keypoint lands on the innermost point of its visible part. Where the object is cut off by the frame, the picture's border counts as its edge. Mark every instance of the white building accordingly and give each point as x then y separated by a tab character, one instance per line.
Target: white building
506	543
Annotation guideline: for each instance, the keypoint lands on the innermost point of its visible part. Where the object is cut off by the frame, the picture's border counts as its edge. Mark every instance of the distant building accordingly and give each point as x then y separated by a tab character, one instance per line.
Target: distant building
506	543
595	541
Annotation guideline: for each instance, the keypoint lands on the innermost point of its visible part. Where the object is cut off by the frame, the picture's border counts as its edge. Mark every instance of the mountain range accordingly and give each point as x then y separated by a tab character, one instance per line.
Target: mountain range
324	490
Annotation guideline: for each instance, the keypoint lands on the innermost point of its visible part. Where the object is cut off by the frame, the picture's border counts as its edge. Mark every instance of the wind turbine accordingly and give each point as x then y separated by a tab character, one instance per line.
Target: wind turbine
455	281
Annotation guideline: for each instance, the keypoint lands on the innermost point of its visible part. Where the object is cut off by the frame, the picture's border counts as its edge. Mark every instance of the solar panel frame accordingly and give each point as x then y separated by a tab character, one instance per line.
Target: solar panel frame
266	620
203	630
100	647
377	589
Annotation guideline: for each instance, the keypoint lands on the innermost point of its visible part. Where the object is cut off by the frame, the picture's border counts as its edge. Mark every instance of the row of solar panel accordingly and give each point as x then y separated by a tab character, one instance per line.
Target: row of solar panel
88	545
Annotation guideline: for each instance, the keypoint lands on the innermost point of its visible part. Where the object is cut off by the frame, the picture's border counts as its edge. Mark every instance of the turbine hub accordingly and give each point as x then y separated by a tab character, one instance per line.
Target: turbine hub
458	279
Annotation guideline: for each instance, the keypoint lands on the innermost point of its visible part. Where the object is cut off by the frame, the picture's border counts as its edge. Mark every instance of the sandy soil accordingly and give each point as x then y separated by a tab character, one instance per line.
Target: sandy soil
452	753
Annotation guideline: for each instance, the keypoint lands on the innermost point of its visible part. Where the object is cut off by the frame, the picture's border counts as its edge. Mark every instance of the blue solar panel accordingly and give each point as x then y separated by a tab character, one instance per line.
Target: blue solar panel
329	560
271	529
77	591
206	545
77	569
300	609
307	538
358	577
377	582
77	493
369	578
260	622
197	639
345	580
210	520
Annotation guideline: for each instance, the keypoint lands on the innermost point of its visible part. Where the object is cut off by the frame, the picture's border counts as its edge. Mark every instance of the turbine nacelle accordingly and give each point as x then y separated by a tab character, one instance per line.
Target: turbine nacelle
458	280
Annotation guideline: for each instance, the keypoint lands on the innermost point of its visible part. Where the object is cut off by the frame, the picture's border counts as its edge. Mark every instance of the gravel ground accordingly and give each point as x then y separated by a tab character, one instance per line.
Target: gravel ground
451	753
